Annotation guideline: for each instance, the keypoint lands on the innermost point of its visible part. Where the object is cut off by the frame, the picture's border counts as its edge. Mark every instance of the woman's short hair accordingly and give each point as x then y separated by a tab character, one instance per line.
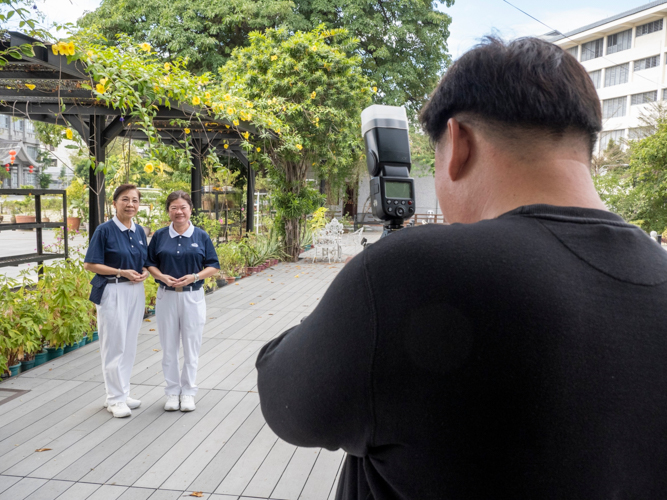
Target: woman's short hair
176	195
525	85
124	188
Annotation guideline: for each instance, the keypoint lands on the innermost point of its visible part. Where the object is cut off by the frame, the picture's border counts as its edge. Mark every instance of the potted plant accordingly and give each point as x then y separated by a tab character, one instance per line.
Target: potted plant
77	201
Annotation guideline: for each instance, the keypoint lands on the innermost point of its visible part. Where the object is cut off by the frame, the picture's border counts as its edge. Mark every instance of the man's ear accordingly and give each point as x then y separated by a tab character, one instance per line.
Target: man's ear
459	140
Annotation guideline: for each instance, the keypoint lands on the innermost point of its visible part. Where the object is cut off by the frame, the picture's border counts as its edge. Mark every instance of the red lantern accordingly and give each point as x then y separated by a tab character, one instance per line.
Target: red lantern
7	167
12	152
30	169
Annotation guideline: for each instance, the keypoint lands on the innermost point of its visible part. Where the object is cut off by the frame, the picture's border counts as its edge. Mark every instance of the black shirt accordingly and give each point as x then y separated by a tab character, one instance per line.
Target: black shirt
523	357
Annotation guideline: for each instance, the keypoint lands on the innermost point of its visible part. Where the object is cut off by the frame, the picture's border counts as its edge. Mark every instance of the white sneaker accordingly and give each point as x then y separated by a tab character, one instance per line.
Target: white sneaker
119	410
188	403
172	403
132	404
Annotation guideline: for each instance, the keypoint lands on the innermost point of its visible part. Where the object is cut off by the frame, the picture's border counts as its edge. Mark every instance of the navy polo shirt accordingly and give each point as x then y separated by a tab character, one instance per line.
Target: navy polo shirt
118	248
178	255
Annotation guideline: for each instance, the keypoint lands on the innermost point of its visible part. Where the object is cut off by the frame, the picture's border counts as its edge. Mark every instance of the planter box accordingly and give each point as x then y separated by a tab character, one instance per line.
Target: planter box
15	370
25	219
73	223
27	365
41	357
71	347
96	336
54	352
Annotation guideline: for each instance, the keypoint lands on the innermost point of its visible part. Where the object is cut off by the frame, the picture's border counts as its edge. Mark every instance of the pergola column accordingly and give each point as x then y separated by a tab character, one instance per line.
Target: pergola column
97	196
199	149
250	192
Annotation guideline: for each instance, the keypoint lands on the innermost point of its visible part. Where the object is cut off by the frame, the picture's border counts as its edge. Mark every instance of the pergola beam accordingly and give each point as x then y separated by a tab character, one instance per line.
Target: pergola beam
45	57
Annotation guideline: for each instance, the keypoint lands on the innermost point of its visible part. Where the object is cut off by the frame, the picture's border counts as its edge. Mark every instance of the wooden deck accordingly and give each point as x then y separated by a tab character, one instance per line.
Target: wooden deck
223	449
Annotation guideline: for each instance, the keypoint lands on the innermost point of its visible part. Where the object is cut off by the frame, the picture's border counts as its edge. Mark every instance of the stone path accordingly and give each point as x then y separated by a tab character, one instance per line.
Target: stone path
223	449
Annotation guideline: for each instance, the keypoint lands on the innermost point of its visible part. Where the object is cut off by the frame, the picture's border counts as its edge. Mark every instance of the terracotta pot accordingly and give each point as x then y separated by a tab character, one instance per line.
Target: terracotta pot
73	223
25	219
230	280
46	219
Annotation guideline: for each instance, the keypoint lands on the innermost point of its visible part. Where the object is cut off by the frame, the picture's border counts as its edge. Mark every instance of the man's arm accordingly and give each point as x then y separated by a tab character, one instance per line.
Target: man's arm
315	380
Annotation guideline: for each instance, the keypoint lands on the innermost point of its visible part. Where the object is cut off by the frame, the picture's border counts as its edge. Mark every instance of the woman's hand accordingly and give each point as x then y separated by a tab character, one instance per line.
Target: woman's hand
131	274
142	276
168	280
186	280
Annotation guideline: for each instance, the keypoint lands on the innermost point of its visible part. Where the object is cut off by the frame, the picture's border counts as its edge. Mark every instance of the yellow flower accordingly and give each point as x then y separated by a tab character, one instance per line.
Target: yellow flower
104	81
63	48
186	130
166	79
259	149
226	146
274	57
89	53
146	47
54	48
227	97
226	125
236	123
277	131
156	88
249	104
313	48
167	66
70	49
299	147
148	168
100	88
30	86
246	135
68	133
196	101
375	89
207	95
313	95
230	111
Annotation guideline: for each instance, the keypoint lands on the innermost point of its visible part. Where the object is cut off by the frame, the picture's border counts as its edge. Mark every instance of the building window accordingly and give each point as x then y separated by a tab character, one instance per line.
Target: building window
649	62
664	94
33	151
591	50
647	28
619	41
612	108
639	133
596	76
573	51
18	125
644	98
29	127
610	135
4	121
616	75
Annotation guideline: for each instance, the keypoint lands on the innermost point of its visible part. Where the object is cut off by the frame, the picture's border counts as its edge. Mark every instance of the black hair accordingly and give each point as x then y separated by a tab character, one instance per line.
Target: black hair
123	188
524	84
176	195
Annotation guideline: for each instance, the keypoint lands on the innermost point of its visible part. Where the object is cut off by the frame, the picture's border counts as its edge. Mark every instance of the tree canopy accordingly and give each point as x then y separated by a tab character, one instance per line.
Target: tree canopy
402	43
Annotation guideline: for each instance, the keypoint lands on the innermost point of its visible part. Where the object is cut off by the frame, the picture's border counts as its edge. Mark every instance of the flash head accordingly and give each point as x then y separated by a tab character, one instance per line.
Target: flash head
386	134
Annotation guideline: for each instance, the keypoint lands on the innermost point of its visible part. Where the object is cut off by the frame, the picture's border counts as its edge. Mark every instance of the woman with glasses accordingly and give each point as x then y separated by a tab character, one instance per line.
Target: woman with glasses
180	258
116	254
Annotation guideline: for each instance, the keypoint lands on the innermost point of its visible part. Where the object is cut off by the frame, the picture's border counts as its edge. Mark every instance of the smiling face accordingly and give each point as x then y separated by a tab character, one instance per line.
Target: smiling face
127	204
179	211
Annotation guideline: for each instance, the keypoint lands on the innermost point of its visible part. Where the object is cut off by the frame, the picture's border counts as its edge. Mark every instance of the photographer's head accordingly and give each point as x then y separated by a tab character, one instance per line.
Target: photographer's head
513	124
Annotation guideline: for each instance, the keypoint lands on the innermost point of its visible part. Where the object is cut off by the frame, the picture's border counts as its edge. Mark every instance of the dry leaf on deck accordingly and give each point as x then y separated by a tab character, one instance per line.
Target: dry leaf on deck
252	303
43	449
156	350
147	320
152	330
197	494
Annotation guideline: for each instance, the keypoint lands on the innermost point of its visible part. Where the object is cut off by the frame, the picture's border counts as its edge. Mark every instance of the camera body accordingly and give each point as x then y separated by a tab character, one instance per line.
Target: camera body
386	135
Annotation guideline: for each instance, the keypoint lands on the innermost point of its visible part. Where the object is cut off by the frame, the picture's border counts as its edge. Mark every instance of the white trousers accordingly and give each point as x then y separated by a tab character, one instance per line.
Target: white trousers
180	317
119	318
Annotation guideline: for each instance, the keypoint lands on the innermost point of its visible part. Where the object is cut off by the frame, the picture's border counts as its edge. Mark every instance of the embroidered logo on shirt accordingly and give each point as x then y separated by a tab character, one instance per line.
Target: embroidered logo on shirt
195	245
141	242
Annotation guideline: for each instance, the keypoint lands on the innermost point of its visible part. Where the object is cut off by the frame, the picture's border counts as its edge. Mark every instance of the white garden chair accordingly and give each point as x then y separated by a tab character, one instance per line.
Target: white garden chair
325	244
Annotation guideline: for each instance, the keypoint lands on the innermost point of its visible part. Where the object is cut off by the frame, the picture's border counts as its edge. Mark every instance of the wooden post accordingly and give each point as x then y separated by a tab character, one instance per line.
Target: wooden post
97	195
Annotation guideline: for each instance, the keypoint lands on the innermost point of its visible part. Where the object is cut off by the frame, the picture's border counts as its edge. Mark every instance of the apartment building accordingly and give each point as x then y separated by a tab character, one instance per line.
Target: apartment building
18	135
626	57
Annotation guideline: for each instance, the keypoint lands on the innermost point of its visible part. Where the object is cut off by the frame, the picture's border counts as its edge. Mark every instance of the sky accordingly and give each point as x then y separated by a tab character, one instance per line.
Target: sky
471	19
